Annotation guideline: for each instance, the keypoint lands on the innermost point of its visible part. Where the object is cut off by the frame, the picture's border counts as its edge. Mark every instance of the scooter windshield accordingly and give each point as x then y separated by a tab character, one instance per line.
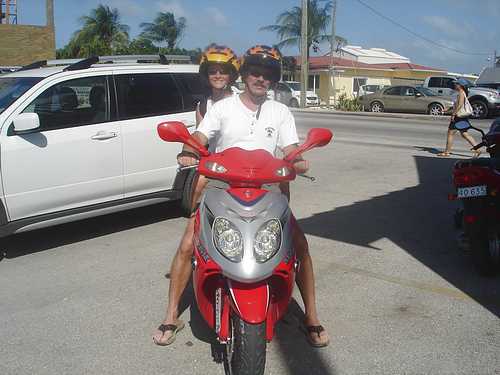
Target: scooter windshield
244	168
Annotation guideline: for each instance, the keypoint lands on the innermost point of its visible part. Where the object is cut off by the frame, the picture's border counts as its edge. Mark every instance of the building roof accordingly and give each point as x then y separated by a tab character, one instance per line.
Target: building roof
323	62
373	53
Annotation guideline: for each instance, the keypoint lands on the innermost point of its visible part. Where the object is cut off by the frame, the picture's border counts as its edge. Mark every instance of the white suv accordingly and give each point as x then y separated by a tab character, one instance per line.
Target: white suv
288	92
80	140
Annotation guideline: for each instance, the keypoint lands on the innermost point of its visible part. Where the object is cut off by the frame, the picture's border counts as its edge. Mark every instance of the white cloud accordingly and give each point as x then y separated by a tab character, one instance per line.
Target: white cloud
448	27
127	7
174	7
218	18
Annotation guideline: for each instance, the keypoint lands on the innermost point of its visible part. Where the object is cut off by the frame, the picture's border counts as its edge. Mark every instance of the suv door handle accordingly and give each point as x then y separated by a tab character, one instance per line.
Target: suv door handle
103	135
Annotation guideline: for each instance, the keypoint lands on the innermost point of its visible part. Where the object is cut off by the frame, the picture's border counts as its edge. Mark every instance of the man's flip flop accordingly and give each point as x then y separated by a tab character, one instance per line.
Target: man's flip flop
317	330
172	328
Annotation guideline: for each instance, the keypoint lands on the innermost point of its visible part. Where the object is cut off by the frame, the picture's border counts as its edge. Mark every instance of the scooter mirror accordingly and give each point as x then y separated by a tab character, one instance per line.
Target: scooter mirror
175	131
316	137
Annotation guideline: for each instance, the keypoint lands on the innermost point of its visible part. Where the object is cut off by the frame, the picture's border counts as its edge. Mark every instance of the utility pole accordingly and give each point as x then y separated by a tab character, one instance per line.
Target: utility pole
495	59
303	55
331	86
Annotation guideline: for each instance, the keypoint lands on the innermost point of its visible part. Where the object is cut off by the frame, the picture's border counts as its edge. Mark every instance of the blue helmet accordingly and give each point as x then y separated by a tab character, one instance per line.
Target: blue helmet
463	82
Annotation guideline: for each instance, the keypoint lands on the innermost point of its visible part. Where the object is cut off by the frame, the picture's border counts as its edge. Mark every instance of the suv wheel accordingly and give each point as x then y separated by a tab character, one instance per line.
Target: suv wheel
479	109
377	107
436	109
294	103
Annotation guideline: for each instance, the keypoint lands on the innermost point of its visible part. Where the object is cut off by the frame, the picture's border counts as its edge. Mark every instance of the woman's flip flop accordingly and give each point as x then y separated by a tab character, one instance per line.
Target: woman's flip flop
169	328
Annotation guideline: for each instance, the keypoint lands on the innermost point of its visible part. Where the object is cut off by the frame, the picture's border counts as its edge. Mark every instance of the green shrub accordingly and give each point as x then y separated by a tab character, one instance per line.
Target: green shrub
345	103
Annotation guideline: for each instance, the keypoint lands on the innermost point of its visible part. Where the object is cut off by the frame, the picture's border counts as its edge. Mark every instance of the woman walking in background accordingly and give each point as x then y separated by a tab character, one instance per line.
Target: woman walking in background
462	111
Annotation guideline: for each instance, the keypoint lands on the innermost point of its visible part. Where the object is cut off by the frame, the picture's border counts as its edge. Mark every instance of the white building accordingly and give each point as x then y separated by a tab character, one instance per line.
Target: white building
370	55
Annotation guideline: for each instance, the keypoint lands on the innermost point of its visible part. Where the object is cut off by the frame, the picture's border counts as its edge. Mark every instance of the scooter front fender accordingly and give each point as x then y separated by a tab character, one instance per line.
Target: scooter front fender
250	301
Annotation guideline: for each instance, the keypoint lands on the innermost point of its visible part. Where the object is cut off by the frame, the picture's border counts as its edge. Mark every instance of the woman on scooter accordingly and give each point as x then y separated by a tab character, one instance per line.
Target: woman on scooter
460	114
219	68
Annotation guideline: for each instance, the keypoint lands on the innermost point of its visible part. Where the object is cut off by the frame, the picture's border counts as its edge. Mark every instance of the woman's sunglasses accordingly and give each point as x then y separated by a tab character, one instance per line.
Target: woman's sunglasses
214	71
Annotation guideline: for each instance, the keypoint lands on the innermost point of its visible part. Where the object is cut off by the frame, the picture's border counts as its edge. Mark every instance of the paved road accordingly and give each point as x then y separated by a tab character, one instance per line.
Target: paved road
395	293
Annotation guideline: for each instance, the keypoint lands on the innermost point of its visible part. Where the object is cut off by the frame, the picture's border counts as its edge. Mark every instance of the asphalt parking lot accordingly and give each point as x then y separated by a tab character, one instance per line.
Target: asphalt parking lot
394	291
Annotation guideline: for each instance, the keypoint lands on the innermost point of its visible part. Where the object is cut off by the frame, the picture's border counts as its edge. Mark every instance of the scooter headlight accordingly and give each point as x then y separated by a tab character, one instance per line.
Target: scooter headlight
228	239
267	240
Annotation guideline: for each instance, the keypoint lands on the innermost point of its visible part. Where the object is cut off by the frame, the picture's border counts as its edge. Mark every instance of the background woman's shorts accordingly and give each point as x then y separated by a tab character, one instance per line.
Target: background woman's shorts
458	120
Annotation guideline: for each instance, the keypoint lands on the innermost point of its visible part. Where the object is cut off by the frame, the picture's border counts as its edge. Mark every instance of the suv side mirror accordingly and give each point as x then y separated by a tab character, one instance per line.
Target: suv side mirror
26	123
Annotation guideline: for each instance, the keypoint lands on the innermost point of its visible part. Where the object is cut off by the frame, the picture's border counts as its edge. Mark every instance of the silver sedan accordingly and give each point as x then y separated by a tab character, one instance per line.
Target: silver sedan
407	99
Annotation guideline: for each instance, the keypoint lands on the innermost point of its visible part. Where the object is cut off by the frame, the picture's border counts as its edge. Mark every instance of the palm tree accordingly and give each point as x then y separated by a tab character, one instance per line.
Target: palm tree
102	32
289	23
164	29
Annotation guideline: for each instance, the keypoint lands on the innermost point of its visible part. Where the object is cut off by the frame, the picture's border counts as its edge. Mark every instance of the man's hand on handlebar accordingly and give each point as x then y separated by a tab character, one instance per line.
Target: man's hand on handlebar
187	159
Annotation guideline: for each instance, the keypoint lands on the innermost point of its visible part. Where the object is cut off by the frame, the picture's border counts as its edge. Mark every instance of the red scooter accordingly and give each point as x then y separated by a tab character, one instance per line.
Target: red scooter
244	263
477	183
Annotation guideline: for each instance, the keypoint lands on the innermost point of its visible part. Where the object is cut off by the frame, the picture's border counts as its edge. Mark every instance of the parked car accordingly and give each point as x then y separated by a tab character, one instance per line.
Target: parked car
407	99
483	97
8	69
369	89
80	140
288	92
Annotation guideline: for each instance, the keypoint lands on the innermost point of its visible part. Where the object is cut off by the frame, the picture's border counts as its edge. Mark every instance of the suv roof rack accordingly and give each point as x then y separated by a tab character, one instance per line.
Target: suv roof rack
77	64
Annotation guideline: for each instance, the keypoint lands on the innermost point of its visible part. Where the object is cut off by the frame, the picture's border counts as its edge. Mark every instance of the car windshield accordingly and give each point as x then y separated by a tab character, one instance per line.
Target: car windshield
295	86
12	88
426	91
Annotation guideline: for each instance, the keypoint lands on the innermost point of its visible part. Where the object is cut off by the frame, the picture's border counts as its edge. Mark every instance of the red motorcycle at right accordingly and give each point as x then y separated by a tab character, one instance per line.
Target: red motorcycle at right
477	183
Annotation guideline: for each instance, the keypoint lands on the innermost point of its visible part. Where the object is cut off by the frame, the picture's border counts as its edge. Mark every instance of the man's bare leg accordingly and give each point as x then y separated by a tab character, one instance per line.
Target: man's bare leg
305	282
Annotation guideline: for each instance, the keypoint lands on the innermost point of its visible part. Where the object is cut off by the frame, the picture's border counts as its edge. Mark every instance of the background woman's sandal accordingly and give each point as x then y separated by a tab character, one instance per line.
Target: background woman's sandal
444	154
168	328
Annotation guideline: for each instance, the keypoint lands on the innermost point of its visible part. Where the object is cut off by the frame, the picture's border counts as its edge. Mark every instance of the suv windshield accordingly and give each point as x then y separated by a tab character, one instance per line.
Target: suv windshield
495	86
13	88
295	86
426	91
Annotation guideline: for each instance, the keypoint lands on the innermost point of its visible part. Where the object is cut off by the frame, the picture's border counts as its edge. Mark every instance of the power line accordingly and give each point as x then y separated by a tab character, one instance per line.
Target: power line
420	36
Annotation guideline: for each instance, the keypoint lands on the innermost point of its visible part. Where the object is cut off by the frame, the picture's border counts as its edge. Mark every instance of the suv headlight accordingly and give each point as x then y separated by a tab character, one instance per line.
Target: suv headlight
267	240
228	239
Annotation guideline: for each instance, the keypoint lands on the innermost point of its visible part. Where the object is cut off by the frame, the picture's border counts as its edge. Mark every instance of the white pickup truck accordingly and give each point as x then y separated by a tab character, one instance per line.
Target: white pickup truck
484	101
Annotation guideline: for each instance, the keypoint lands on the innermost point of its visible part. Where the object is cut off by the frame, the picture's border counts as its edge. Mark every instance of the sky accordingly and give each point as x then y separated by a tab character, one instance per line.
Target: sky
470	26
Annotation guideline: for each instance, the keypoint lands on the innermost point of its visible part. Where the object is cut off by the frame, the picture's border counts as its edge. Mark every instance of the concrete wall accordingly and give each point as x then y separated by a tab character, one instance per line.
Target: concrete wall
22	44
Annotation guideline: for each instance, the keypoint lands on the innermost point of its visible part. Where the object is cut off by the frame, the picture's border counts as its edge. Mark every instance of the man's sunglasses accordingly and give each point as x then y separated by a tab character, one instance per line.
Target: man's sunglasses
258	72
214	71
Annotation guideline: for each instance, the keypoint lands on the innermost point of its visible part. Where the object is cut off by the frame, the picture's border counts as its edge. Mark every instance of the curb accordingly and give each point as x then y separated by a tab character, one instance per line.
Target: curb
371	114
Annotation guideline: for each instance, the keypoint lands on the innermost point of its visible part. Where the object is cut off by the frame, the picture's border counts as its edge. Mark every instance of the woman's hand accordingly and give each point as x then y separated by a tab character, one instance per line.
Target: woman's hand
301	166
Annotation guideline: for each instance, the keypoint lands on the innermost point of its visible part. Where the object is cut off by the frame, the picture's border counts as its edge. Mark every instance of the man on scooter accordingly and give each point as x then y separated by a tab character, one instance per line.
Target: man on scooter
249	121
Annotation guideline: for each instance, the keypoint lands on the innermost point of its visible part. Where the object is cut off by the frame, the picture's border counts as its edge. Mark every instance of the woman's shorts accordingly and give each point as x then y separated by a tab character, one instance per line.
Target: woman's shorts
459	120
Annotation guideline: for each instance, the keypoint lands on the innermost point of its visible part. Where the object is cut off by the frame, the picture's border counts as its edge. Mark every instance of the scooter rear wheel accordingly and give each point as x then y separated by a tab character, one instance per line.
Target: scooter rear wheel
248	348
486	252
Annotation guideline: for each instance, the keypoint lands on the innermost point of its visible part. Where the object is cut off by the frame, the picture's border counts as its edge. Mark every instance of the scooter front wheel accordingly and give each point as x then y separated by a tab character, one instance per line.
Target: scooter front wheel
247	349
